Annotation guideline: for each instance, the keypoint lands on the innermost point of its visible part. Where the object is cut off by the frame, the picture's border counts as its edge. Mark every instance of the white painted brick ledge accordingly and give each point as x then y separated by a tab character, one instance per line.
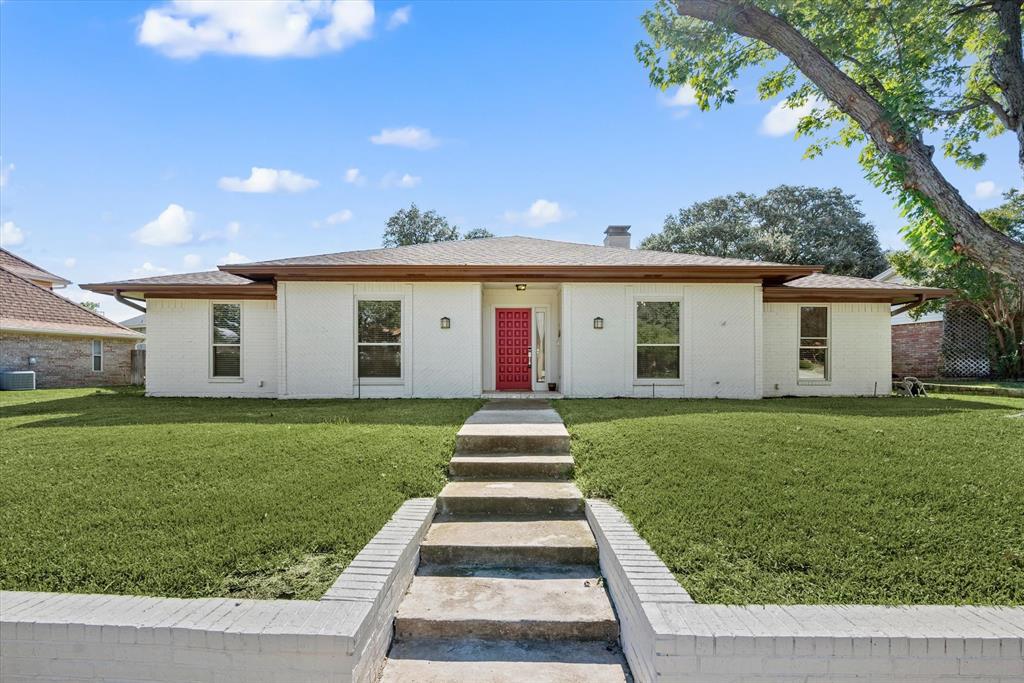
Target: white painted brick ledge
668	638
341	637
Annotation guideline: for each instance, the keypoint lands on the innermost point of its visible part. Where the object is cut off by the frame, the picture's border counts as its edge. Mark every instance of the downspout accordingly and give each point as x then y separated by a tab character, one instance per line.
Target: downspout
127	302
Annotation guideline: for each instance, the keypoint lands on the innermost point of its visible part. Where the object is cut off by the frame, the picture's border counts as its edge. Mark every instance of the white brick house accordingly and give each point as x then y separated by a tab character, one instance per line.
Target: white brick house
466	318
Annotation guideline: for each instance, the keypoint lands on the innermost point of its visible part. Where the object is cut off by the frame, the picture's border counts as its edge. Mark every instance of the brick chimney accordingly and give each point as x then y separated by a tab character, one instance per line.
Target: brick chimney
617	236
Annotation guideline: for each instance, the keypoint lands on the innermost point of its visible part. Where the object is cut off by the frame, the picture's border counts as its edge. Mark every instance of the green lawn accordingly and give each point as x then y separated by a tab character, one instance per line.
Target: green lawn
817	500
109	491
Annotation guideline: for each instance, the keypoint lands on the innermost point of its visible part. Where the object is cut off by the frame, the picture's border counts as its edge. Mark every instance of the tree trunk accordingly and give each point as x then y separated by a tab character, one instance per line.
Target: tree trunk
972	235
1008	70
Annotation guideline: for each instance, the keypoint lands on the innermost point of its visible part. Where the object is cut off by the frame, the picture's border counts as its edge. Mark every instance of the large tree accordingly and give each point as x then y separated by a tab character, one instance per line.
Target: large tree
413	226
788	224
998	300
885	75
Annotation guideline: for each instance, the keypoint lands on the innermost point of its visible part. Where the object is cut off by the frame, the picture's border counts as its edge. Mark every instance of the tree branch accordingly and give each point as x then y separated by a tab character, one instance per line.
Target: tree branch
1008	70
970	232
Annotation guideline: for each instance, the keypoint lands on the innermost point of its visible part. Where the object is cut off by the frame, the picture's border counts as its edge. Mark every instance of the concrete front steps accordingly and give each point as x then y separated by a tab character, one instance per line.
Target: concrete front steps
508	587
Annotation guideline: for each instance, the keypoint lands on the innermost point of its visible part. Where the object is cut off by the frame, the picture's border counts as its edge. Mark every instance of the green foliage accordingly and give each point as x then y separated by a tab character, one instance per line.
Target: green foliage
90	306
926	62
412	226
788	224
477	234
111	492
817	500
999	300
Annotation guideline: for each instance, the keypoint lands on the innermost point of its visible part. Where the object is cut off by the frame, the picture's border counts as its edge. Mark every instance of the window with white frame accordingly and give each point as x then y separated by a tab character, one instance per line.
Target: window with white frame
97	355
379	342
814	344
226	340
657	340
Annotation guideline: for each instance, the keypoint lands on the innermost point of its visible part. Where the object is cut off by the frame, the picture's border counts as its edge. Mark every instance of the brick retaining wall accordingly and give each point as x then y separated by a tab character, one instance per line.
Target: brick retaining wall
668	638
917	349
66	361
343	637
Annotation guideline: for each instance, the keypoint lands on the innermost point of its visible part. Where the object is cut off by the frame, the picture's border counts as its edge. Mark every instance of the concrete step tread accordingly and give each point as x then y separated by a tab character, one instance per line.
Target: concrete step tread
515	429
513	457
546	490
529	604
510	532
481	661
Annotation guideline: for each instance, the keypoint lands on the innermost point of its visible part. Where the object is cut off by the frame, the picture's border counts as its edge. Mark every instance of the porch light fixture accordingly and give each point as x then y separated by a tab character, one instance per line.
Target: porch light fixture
521	288
598	323
446	323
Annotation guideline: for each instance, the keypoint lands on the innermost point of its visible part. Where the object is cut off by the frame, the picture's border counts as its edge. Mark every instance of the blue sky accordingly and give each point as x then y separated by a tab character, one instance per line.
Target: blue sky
129	132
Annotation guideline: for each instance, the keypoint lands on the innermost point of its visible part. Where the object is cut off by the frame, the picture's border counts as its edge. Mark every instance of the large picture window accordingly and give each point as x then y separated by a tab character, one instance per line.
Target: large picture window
814	361
657	340
227	340
380	339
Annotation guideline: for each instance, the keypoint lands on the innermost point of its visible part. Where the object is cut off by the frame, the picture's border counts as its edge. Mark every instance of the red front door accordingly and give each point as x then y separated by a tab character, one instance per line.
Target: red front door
512	342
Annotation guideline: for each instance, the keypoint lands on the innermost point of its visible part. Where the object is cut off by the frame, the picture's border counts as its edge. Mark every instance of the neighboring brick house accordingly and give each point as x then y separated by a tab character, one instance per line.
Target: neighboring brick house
65	344
949	343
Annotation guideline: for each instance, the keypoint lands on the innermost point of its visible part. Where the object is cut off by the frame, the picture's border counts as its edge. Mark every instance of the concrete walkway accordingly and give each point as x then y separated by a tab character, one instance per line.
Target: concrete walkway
508	587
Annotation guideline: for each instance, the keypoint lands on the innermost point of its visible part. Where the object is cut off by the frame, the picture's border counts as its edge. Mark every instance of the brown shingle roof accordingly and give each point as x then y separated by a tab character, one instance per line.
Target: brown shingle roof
26	269
822	280
505	251
207	277
25	306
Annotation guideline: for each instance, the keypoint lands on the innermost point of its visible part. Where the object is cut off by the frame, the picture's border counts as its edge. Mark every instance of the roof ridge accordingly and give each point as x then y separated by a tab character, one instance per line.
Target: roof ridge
67	301
32	265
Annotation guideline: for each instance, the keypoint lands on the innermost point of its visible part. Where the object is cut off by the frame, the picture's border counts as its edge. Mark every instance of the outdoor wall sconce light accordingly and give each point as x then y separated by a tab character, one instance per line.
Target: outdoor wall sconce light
520	288
32	360
446	323
598	323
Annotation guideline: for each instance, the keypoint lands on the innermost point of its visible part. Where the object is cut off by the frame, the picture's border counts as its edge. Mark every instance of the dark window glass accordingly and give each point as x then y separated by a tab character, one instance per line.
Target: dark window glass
813	321
380	361
380	322
227	340
227	361
657	322
657	362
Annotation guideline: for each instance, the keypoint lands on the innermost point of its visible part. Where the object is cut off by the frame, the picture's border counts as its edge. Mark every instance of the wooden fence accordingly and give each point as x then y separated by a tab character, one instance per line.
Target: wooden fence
139	366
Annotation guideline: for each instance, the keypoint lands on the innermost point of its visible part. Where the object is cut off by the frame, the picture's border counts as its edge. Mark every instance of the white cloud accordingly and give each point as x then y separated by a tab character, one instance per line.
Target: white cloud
5	174
11	235
986	189
354	177
173	226
70	262
782	119
233	228
541	213
410	136
232	257
263	180
147	269
399	17
258	28
192	261
339	217
682	101
405	180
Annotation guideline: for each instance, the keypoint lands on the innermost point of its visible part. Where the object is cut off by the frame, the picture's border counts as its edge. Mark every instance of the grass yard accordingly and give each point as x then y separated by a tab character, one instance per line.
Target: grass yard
878	501
108	491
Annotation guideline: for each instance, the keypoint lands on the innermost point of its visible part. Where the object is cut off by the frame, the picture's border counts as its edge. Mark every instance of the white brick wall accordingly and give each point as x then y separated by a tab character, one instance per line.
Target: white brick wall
178	350
342	637
721	353
668	638
860	354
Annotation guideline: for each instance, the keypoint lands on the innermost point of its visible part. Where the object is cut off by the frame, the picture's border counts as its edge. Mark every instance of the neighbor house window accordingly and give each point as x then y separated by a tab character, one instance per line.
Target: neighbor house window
380	339
814	344
97	355
657	340
227	340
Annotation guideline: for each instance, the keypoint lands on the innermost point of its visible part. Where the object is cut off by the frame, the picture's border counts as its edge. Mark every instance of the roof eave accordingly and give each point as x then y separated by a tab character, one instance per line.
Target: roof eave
851	294
169	291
